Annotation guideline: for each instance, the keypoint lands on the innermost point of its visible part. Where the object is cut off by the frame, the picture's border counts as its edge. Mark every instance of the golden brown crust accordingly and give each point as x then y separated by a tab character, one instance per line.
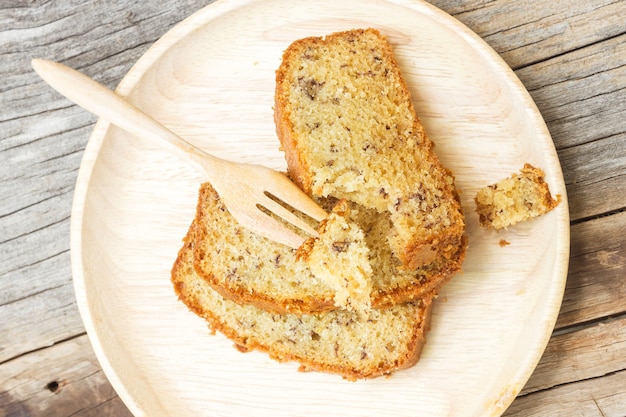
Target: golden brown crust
304	303
219	281
416	345
440	256
520	197
208	204
544	191
450	244
433	283
416	252
306	365
180	276
298	167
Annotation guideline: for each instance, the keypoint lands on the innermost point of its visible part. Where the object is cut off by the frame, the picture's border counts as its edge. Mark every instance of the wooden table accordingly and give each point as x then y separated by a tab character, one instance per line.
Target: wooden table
571	56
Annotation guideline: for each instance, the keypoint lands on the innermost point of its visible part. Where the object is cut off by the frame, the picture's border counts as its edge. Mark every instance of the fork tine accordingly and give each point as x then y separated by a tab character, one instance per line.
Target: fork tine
283	189
280	233
287	216
263	224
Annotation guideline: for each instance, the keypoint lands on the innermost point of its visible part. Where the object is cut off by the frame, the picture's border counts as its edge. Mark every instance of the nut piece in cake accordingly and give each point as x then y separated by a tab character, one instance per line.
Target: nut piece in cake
515	199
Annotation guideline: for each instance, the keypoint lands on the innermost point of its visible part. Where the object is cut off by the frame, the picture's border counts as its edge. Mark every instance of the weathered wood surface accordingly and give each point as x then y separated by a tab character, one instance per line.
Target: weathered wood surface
571	55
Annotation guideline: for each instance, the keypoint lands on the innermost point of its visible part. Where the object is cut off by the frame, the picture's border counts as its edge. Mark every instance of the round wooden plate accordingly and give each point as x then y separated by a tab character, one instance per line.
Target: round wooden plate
211	79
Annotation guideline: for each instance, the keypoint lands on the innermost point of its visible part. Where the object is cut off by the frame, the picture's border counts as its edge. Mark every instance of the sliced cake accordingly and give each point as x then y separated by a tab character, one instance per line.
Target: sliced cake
343	342
346	122
248	268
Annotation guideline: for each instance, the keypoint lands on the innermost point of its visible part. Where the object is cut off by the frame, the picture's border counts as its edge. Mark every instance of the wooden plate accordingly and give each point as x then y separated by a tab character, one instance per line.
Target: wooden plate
211	79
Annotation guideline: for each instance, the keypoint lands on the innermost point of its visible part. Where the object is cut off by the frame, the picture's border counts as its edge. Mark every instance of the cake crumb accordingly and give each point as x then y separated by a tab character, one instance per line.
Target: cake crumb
341	259
504	243
514	199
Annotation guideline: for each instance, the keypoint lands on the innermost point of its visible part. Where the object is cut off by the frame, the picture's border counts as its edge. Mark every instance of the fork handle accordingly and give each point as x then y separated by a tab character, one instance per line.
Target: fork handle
106	104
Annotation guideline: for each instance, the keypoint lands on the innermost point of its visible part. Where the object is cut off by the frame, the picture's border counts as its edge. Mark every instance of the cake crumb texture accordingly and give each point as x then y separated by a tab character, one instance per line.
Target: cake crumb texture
340	258
347	343
250	269
346	122
520	197
356	300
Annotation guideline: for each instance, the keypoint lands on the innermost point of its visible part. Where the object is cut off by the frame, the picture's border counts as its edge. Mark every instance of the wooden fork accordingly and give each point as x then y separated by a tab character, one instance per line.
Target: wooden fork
244	188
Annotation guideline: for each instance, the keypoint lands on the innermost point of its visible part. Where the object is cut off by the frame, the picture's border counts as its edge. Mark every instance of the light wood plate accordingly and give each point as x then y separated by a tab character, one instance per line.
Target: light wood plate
211	79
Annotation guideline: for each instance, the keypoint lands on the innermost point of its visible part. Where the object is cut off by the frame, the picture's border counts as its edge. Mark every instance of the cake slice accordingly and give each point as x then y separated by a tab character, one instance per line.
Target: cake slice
250	269
346	122
340	341
340	258
514	199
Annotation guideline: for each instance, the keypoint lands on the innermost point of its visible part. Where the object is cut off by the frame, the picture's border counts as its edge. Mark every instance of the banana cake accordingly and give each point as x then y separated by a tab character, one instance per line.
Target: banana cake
339	341
346	122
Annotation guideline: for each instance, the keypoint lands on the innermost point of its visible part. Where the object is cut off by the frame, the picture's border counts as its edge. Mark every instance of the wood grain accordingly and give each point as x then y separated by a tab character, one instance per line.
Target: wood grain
123	180
586	126
569	54
527	32
42	139
595	286
583	354
65	379
589	398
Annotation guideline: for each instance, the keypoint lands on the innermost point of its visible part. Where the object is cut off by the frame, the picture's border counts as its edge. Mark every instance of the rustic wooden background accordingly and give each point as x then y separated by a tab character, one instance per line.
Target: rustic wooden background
571	56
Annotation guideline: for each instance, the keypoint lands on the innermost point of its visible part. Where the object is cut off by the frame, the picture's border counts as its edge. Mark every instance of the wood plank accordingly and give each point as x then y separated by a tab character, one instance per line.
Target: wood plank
39	130
35	249
38	321
601	397
595	284
560	86
580	354
602	174
582	373
113	407
584	127
63	380
524	32
42	137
